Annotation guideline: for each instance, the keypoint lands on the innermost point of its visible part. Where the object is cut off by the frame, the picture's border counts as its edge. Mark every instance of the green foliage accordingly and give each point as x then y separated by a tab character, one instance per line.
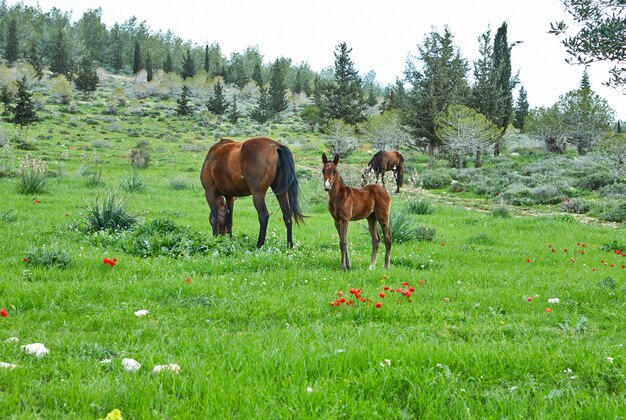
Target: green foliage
420	205
163	238
575	205
183	107
23	112
11	43
189	66
108	213
61	63
87	78
436	178
233	113
521	109
133	183
311	115
217	103
178	183
33	178
262	113
501	211
137	62
62	89
47	256
278	86
614	212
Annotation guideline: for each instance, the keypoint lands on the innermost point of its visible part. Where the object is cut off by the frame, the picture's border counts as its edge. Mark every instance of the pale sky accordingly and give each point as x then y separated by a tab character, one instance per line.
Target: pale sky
381	33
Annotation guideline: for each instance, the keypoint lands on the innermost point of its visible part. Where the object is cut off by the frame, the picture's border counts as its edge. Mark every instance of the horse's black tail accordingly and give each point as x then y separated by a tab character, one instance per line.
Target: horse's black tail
286	181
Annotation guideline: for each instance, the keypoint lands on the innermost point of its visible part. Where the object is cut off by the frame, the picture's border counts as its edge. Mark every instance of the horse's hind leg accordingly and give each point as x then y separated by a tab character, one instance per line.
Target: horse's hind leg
228	222
259	204
382	215
211	200
371	221
283	200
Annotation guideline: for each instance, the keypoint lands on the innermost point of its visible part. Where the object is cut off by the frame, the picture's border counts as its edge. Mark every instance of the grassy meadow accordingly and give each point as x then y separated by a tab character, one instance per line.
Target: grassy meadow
465	328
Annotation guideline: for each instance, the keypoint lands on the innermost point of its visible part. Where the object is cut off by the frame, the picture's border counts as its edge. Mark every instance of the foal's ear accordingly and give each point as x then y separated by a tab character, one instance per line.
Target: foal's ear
324	158
336	160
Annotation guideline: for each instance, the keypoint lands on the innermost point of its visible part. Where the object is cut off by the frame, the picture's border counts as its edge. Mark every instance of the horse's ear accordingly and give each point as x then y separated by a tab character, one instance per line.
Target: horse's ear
324	158
336	159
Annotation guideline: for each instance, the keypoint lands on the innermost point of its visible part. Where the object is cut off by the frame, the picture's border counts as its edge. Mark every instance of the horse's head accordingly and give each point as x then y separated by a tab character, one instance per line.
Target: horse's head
329	171
366	174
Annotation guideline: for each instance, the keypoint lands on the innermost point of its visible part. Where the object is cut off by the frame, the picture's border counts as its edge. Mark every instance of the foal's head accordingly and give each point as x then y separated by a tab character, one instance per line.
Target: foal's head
329	171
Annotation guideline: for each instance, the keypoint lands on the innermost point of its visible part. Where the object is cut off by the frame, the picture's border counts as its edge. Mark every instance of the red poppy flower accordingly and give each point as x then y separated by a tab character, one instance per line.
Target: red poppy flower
353	290
382	295
188	280
411	289
553	250
548	310
422	281
25	259
110	262
528	260
550	246
406	283
37	201
593	269
378	304
386	288
350	302
3	312
564	249
443	244
530	299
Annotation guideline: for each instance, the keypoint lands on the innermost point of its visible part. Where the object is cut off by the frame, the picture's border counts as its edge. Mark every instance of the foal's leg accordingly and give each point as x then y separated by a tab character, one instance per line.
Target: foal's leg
383	219
342	229
283	200
211	200
259	204
371	221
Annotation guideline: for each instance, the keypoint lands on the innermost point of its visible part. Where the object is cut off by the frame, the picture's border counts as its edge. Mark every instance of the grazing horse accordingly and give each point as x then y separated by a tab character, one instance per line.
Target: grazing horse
385	161
237	169
345	204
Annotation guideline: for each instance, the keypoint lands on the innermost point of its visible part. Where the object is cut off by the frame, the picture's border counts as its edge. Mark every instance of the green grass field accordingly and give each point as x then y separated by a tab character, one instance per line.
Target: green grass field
254	331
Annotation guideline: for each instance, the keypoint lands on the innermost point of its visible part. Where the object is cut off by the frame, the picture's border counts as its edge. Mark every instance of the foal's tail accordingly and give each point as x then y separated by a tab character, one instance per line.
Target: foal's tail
286	181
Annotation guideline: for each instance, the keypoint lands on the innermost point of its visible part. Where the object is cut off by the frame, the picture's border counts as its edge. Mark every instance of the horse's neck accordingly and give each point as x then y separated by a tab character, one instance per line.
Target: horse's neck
338	186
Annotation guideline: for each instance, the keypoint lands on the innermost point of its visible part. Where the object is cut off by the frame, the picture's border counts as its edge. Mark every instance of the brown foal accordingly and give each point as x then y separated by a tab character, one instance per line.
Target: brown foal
345	204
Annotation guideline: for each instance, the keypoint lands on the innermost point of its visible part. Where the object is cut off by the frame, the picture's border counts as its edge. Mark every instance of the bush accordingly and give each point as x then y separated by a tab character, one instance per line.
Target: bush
595	181
614	212
575	205
546	194
47	257
179	183
501	211
109	214
420	205
139	158
33	178
162	237
425	233
437	178
133	183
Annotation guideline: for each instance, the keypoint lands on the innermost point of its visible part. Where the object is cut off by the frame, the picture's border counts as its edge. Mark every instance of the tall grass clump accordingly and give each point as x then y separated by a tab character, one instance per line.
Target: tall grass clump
33	177
420	205
501	211
47	257
109	213
133	183
94	178
178	183
402	227
163	237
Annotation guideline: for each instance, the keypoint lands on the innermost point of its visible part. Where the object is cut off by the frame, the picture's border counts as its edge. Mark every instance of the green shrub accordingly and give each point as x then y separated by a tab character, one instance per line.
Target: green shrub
425	233
33	177
437	178
109	214
162	237
178	183
595	181
94	178
133	183
420	205
501	211
614	212
139	158
575	205
47	257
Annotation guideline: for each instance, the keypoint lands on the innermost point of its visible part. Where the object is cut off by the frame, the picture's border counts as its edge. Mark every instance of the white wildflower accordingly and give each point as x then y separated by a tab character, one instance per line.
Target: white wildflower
567	371
38	349
554	301
340	350
172	367
309	389
7	365
105	361
513	388
141	312
610	359
130	365
12	340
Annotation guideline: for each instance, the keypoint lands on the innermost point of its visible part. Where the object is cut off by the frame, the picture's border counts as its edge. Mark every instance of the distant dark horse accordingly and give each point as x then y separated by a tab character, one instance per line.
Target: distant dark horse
385	161
345	204
236	169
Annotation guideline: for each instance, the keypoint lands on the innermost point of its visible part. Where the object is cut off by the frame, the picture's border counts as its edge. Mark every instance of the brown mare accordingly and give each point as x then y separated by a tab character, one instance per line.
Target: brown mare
383	162
345	204
236	169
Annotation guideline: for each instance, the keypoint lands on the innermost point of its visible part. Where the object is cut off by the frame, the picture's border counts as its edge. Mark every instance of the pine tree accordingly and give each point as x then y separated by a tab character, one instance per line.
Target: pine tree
257	75
116	47
149	72
278	87
233	114
189	67
346	100
298	84
521	109
24	110
137	64
168	65
262	113
11	45
183	103
87	77
206	59
585	84
36	60
217	103
61	61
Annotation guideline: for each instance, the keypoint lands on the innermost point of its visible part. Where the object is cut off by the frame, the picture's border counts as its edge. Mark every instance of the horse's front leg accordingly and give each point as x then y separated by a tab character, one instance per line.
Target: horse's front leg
283	200
259	204
228	222
343	245
371	222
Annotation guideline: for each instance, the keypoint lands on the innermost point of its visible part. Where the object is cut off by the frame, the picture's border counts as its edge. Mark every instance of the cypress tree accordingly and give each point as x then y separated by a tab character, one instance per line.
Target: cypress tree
183	103
278	87
61	61
189	67
206	59
11	45
168	65
137	65
298	84
149	75
503	81
24	110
